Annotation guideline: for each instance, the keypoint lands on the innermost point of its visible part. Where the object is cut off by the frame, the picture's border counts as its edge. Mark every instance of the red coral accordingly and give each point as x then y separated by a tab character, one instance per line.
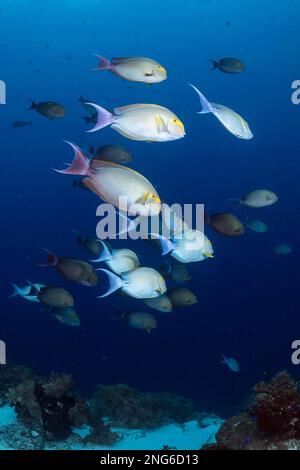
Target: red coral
277	407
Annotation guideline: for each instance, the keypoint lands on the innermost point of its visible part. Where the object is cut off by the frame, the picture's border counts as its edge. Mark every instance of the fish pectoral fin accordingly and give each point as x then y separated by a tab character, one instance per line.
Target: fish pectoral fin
161	125
142	199
146	74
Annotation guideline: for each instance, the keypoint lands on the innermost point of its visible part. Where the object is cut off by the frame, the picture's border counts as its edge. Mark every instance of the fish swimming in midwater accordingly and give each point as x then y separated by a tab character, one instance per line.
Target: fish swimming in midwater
257	226
49	109
232	121
134	69
93	245
231	363
229	65
161	303
73	269
126	189
27	292
283	249
225	224
112	153
192	246
178	272
66	315
119	261
143	122
19	124
54	296
257	199
140	320
182	297
142	283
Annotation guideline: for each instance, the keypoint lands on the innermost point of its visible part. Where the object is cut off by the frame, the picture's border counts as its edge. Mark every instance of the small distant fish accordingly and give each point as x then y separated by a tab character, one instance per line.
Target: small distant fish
134	69
178	272
54	296
93	245
229	65
161	303
141	321
49	109
232	121
111	153
181	297
257	199
68	57
231	363
225	224
66	315
19	124
283	249
257	226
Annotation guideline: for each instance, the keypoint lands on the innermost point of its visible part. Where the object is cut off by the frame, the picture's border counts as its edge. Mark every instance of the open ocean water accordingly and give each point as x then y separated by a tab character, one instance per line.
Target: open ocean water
248	296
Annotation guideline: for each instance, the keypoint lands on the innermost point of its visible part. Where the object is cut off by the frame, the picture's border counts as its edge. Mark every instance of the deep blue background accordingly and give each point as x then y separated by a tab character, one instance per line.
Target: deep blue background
248	297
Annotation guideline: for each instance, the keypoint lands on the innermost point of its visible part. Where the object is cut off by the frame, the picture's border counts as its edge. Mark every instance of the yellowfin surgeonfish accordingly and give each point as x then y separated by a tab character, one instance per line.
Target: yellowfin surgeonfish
140	320
232	121
257	199
134	69
142	283
143	122
119	185
190	247
119	261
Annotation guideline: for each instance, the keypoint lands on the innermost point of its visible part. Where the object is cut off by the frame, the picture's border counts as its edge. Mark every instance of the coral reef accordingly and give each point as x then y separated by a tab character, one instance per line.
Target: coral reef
49	408
129	408
271	422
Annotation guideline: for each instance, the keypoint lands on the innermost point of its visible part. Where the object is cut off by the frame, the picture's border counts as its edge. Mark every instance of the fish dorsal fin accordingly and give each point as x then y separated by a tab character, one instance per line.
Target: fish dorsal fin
119	60
122	109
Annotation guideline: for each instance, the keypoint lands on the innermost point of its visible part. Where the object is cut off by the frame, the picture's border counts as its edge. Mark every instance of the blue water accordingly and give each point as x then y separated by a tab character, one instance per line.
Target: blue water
248	296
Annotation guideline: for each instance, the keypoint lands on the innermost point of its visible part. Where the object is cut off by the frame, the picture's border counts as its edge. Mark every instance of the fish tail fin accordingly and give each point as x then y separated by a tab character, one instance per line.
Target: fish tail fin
115	283
80	165
206	106
104	256
104	64
235	202
79	238
223	361
166	244
51	259
104	118
32	106
215	65
17	290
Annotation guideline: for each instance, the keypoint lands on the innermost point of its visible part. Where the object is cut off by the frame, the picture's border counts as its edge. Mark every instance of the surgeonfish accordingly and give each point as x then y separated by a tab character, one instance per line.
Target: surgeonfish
140	320
134	69
143	122
229	65
121	186
142	283
257	199
119	261
232	121
161	303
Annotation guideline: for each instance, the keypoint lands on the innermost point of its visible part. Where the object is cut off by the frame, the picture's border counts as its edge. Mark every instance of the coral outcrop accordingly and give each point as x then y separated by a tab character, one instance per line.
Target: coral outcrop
129	408
271	422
